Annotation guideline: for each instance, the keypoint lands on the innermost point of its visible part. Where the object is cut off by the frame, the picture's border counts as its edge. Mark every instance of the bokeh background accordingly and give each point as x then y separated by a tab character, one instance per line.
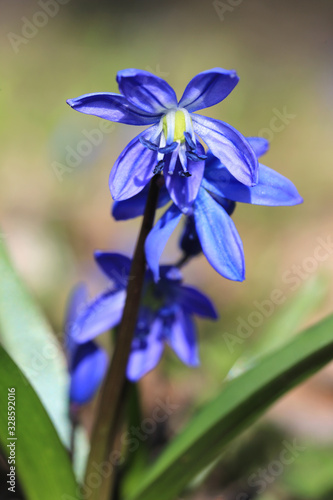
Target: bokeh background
55	201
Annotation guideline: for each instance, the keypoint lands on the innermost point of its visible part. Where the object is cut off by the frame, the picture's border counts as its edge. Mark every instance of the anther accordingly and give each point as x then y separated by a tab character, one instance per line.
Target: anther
191	155
159	167
148	144
168	149
189	141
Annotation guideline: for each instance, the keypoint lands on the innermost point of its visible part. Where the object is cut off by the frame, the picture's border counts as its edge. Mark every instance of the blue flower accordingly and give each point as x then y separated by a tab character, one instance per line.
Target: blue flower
165	315
87	362
170	144
209	225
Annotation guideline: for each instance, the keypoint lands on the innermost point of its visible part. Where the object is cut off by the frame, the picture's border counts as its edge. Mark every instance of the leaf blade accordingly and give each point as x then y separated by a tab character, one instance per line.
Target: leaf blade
42	462
236	407
27	337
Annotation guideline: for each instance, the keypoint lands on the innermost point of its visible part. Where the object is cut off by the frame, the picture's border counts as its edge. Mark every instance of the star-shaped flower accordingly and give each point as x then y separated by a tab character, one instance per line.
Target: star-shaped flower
209	225
171	143
165	315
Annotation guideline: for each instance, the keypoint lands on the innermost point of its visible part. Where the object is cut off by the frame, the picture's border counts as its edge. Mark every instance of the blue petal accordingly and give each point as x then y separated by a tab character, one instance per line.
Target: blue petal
88	371
113	107
229	146
144	359
219	238
103	313
135	206
195	302
115	265
77	301
208	88
228	205
133	168
183	338
259	145
184	190
158	237
273	189
146	91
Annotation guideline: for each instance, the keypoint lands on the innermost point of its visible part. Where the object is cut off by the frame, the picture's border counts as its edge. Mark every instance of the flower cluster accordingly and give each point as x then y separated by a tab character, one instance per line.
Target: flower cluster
200	185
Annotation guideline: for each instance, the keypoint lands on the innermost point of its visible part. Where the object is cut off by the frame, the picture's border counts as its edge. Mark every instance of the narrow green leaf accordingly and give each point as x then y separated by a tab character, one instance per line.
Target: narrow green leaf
240	402
42	462
28	339
293	314
137	459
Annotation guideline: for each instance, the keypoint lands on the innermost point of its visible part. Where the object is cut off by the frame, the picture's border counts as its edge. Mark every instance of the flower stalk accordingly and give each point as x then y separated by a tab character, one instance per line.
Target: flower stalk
106	422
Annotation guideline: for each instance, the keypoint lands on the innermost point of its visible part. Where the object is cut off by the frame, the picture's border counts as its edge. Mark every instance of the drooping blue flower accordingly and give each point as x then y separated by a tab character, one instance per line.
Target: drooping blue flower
170	144
209	225
87	362
165	315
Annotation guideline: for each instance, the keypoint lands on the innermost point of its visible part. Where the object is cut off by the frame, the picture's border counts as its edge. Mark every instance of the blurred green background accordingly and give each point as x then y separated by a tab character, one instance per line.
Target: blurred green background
55	201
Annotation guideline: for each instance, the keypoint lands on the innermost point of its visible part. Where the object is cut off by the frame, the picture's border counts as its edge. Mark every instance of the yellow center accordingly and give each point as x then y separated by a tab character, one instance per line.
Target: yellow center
180	127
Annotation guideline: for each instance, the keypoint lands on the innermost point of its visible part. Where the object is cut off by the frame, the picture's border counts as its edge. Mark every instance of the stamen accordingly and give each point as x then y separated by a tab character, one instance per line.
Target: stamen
148	144
160	156
172	163
189	141
168	149
159	167
170	125
188	124
177	138
182	156
192	155
183	161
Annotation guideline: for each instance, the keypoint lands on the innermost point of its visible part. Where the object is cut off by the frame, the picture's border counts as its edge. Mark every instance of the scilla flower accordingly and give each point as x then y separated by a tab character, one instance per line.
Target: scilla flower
87	362
209	225
170	144
165	315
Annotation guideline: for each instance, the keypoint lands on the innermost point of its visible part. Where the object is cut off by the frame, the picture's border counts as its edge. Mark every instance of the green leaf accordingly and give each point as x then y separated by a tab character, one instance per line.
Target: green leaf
294	313
240	403
42	462
136	460
28	339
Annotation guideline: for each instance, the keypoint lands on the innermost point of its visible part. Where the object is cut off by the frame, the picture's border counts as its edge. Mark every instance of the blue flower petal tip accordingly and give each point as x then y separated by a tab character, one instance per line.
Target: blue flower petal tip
87	362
